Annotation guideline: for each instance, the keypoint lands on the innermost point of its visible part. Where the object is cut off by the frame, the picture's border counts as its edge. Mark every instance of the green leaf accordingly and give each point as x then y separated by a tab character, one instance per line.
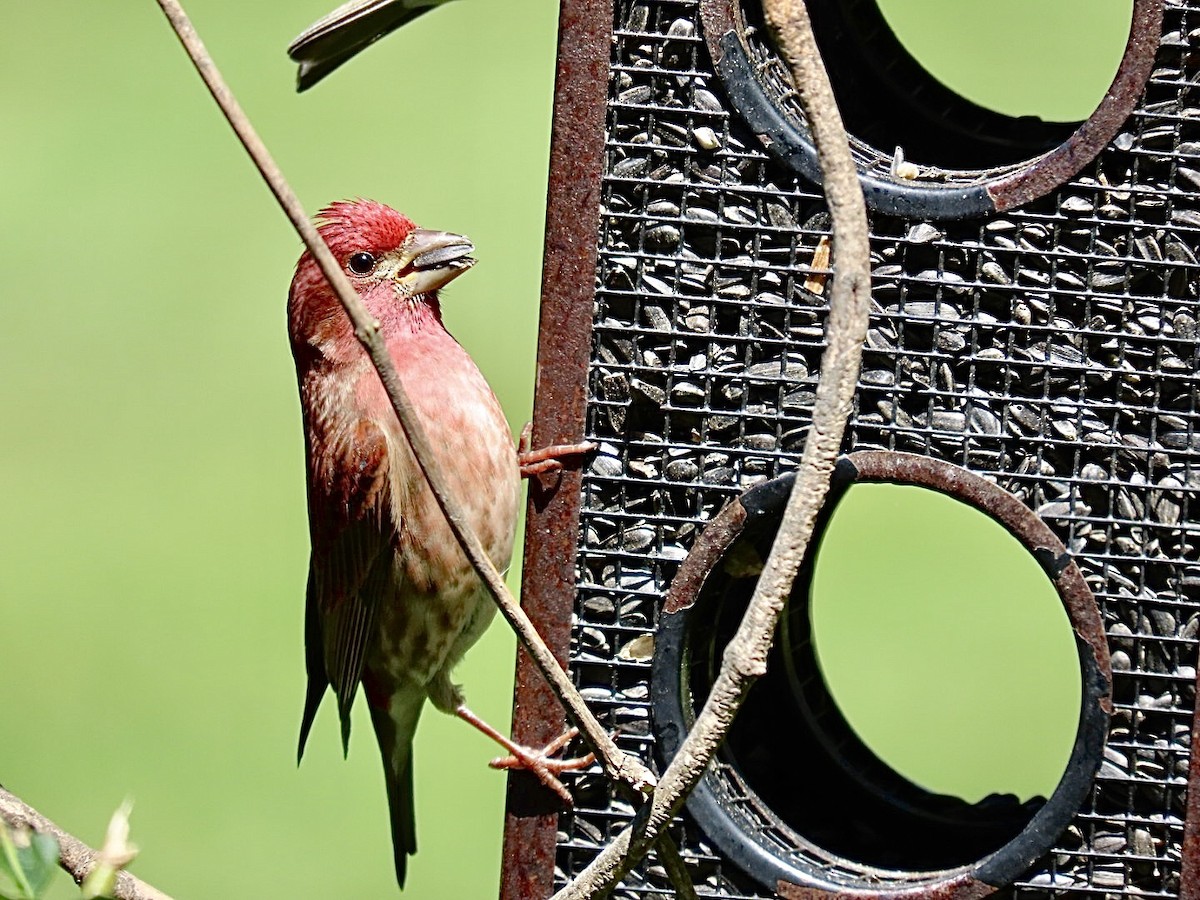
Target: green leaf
40	861
13	883
26	864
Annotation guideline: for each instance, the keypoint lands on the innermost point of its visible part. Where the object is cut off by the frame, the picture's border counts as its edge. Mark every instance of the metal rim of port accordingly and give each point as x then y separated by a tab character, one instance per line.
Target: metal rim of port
786	137
709	803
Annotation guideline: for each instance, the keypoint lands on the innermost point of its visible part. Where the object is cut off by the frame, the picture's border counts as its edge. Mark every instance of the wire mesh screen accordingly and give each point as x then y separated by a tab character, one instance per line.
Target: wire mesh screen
1051	348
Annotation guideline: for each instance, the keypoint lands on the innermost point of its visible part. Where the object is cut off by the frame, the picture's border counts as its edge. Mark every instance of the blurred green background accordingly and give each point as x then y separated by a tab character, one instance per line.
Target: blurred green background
152	515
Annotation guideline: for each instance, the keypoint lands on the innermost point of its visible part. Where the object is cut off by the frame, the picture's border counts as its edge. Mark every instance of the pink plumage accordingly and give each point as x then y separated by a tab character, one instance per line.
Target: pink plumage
392	602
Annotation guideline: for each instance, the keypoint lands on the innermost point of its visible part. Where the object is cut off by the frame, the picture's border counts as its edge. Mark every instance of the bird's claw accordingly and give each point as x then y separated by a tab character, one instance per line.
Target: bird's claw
546	459
541	765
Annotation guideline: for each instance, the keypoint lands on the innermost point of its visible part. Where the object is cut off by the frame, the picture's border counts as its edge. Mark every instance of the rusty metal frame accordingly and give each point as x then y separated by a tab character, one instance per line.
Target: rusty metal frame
1189	876
564	345
1015	185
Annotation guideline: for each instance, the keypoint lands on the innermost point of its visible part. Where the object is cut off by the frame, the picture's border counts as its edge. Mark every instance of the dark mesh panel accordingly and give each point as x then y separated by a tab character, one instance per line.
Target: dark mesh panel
1052	349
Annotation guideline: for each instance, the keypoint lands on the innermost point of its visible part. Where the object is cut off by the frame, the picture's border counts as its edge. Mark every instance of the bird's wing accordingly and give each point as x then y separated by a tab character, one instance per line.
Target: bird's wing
354	536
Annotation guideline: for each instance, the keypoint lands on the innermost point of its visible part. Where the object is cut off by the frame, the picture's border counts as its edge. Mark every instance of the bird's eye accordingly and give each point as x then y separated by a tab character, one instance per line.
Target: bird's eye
361	263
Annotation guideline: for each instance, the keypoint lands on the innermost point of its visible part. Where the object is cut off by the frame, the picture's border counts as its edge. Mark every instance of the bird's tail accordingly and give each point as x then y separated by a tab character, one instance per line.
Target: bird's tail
394	727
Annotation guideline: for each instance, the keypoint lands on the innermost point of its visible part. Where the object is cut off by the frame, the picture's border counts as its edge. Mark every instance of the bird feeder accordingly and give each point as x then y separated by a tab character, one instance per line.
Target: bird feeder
1032	353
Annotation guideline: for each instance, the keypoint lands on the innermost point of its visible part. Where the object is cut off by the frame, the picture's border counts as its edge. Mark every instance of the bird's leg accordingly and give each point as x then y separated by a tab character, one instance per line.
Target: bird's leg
536	761
546	459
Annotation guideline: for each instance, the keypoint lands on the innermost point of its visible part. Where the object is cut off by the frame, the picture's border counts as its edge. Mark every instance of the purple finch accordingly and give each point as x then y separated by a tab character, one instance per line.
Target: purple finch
392	601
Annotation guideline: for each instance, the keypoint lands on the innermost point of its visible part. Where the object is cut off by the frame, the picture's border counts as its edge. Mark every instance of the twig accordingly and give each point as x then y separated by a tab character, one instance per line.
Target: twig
618	764
76	857
668	855
745	658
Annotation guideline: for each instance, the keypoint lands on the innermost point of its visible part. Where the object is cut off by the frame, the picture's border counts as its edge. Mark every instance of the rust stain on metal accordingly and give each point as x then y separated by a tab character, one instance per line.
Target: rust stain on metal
961	887
1085	619
1093	135
717	19
718	535
568	286
1189	879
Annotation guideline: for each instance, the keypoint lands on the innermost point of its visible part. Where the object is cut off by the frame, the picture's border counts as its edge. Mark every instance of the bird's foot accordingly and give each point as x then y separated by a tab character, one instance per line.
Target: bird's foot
539	762
542	764
546	459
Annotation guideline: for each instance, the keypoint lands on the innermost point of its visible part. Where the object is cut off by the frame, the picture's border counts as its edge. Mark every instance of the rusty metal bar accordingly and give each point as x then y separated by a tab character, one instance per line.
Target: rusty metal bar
564	344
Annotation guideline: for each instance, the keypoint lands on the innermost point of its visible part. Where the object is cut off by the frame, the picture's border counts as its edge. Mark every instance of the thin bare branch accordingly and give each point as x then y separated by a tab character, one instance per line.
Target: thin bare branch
745	657
618	764
76	857
669	856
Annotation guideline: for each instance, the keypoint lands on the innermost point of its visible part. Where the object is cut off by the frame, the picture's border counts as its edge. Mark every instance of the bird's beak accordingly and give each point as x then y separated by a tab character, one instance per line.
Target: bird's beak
432	259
